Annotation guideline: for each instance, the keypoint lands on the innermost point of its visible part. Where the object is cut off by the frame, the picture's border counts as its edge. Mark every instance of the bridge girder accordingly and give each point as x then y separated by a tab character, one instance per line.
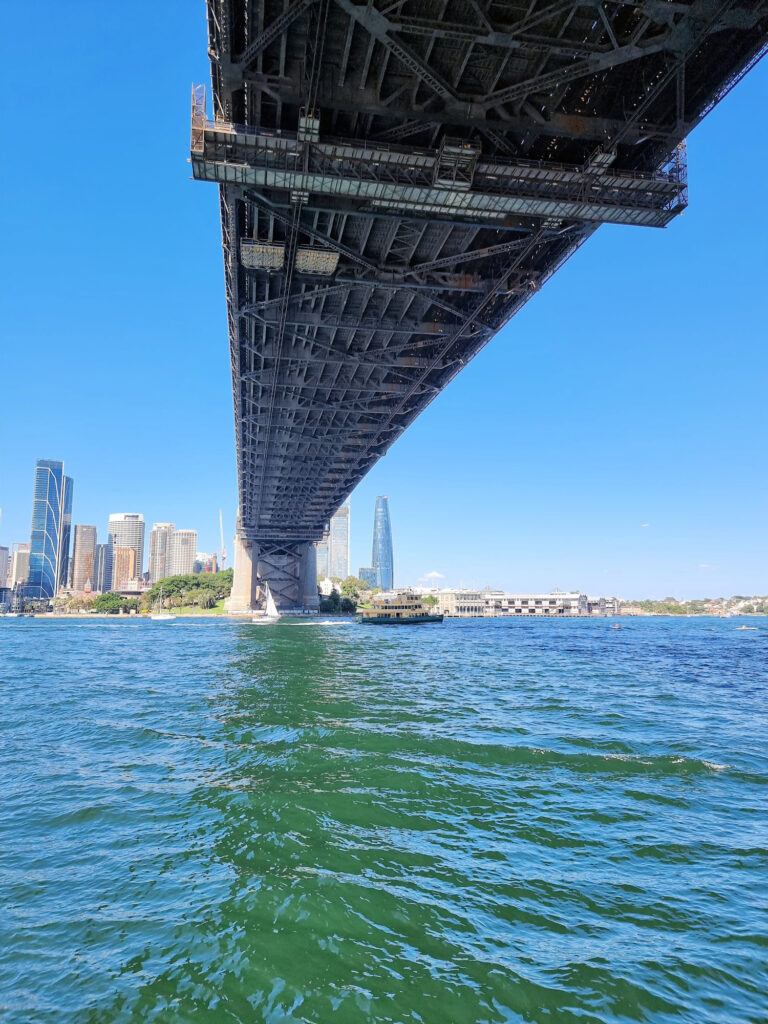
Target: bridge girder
397	181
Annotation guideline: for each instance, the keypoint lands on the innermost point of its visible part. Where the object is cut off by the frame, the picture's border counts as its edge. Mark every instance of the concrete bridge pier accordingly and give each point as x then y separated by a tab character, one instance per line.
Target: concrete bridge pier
289	569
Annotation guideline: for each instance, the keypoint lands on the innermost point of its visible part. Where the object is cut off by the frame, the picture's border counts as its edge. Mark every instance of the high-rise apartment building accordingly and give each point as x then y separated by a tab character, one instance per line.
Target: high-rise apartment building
51	527
183	550
382	561
101	583
83	557
338	544
19	568
123	568
126	530
160	551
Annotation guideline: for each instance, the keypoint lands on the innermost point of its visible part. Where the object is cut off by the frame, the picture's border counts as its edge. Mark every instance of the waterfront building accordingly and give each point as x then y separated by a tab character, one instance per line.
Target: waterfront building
83	557
475	604
558	603
368	576
4	566
126	530
18	572
604	606
160	551
50	533
338	544
382	560
124	576
101	581
182	553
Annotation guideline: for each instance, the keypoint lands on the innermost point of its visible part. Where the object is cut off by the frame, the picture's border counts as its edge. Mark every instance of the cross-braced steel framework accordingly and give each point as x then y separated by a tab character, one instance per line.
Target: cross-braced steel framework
398	178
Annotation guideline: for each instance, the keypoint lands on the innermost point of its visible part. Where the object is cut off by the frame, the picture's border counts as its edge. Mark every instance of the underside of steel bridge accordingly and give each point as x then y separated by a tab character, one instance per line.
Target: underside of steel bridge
396	180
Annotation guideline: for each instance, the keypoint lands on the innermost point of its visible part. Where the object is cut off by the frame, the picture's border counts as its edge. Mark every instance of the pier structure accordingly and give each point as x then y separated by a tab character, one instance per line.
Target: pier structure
396	180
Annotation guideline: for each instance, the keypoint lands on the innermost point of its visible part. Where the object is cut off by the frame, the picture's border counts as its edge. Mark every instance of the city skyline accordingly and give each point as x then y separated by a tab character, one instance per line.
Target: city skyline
577	425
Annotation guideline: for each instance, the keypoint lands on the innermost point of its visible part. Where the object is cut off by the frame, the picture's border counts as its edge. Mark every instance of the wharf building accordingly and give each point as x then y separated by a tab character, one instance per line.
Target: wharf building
50	533
381	573
477	604
126	530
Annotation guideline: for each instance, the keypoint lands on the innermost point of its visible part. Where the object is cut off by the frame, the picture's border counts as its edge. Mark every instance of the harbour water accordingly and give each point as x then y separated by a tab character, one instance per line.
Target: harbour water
481	821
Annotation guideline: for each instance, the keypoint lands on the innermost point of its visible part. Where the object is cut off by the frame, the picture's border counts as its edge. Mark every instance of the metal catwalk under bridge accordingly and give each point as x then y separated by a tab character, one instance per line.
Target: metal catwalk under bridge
396	180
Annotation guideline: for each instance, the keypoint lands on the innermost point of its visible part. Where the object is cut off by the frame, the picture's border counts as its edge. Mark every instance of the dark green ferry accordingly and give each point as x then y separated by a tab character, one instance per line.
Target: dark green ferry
396	610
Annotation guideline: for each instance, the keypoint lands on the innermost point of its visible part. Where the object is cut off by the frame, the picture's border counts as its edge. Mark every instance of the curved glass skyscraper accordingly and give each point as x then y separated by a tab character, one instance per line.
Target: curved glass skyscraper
381	558
51	526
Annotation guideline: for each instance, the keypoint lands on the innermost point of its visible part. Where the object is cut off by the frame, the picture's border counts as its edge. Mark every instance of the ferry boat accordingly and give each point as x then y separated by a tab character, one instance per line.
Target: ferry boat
396	609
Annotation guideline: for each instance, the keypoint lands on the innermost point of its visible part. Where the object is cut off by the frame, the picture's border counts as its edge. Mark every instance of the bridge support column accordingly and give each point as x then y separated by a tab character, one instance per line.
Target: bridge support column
289	569
243	596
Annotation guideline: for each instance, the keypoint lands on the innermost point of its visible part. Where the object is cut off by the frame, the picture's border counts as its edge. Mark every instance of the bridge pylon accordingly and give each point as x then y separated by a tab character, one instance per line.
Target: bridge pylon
290	569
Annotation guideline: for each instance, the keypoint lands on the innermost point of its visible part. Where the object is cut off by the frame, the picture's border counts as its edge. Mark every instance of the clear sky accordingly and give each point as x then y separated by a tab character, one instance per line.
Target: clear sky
612	438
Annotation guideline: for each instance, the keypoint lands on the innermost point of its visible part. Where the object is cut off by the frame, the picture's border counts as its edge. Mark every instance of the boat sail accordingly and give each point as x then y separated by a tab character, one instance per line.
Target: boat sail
158	615
270	613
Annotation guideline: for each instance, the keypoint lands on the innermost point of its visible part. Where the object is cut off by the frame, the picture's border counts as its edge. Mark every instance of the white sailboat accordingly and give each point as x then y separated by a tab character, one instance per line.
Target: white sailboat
270	613
158	615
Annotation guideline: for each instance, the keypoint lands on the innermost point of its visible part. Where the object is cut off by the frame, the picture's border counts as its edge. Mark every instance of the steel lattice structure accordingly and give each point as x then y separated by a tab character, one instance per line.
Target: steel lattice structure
398	178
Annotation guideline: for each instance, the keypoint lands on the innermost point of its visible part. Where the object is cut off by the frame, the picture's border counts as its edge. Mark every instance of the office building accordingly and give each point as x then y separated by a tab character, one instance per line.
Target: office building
101	582
18	572
160	551
83	557
5	563
338	544
50	533
182	555
126	530
321	553
381	573
367	576
124	575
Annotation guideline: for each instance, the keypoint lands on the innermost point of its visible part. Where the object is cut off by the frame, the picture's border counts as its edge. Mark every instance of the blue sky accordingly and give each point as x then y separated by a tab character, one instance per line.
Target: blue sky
611	438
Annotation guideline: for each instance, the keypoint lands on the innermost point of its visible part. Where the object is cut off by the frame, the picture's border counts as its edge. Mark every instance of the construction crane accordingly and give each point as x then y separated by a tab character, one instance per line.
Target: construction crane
223	549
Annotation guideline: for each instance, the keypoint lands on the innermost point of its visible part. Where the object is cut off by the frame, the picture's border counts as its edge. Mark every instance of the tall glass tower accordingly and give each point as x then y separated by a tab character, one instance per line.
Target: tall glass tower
381	559
51	528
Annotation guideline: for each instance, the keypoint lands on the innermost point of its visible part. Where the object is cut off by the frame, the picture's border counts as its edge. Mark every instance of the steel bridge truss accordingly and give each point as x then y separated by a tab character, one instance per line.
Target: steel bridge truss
398	178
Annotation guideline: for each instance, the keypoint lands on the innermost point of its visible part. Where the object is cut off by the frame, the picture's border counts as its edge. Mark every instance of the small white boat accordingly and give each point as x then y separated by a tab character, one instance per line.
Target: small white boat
158	615
270	613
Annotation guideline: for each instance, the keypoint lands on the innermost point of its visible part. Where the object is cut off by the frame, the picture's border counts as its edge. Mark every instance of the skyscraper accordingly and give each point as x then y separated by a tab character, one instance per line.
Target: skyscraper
338	544
160	551
126	530
19	570
123	567
321	553
102	568
51	525
381	558
4	567
83	557
183	549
